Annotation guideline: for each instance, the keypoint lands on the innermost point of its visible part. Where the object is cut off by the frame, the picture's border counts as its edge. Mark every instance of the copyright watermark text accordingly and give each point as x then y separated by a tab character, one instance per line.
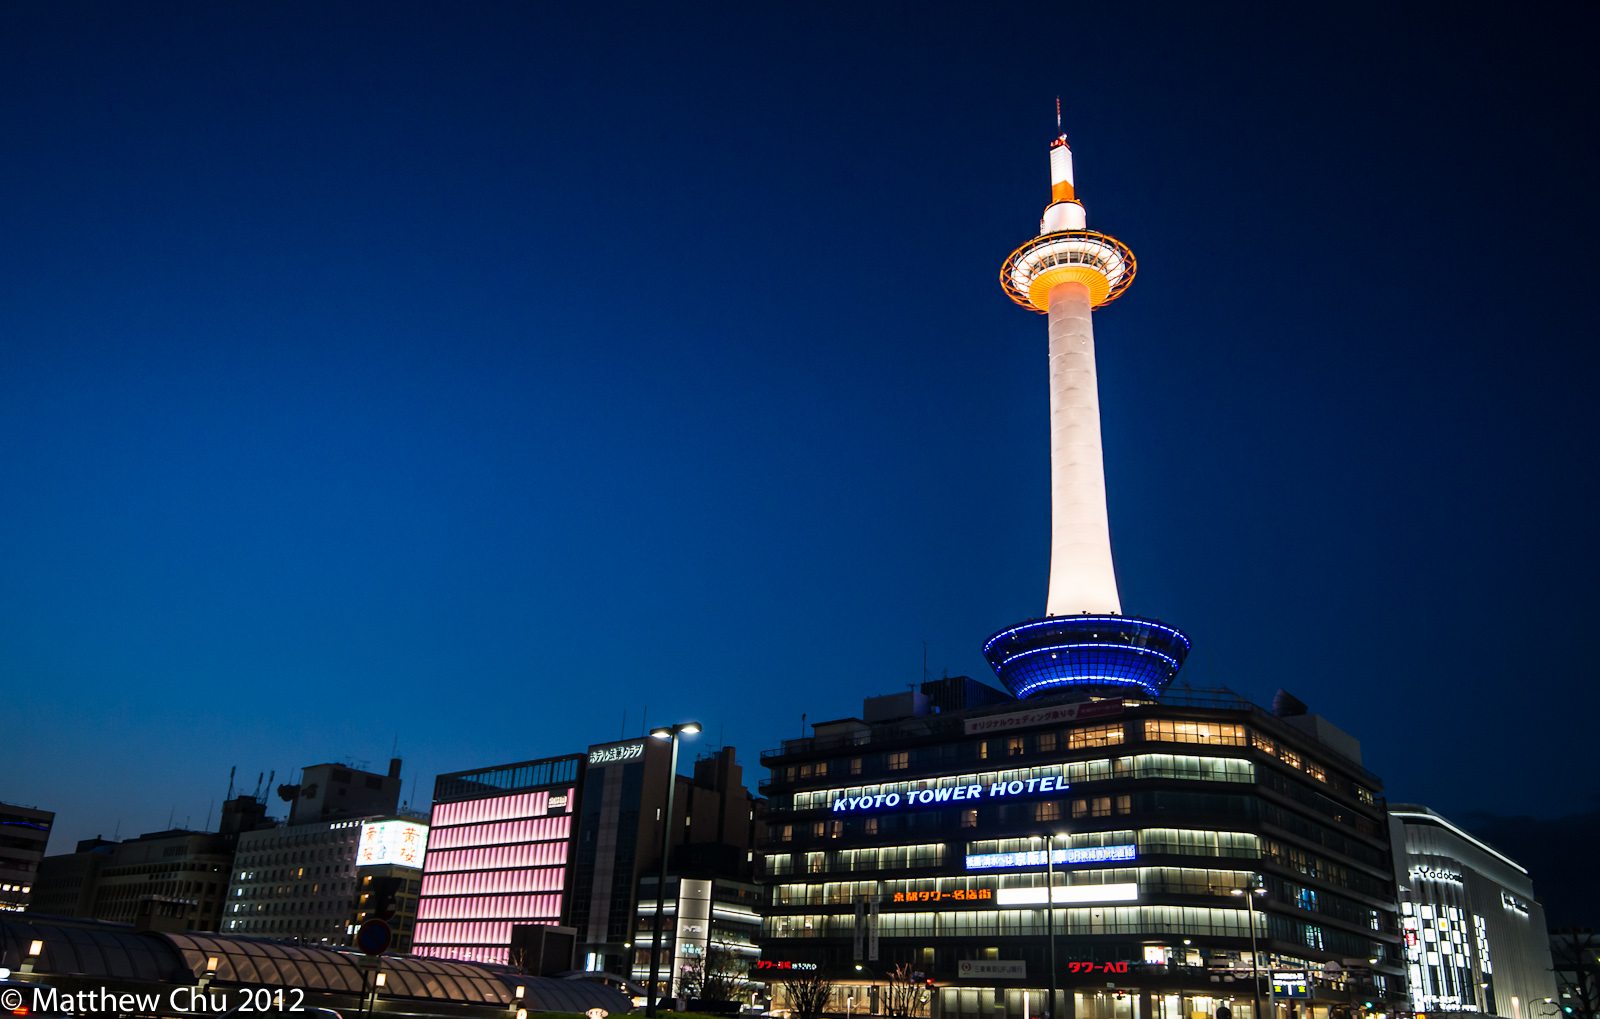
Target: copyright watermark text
42	1001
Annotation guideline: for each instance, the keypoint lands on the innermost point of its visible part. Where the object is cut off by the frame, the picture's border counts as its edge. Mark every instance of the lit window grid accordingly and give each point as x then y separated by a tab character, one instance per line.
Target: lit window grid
529	854
540	829
494	882
1025	921
498	808
1180	766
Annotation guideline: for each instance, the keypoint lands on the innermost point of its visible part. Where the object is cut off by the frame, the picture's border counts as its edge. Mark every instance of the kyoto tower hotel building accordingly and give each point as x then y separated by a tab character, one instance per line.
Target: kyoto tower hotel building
1081	842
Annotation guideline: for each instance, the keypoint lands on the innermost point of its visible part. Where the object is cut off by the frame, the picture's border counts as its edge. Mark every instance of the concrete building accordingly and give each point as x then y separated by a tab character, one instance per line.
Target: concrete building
337	792
1196	845
311	882
24	834
174	880
617	843
711	932
1475	935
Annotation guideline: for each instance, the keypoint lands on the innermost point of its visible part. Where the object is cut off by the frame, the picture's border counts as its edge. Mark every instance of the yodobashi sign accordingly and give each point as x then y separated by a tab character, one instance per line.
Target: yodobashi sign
992	969
1423	872
616	754
1041	716
950	794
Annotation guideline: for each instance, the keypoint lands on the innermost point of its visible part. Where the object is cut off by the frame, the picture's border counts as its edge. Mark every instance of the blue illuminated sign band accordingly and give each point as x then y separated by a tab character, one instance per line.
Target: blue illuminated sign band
1035	858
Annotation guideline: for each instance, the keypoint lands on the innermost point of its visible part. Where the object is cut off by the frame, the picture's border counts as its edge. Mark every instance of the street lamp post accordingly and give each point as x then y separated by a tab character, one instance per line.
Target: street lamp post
1050	912
1255	956
670	734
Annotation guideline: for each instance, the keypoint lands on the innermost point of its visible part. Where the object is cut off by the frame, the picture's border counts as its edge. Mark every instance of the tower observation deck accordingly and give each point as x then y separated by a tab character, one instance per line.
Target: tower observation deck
1083	642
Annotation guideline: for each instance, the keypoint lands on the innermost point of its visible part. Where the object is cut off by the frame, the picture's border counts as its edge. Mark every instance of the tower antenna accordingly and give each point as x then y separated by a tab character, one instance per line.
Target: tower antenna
1058	116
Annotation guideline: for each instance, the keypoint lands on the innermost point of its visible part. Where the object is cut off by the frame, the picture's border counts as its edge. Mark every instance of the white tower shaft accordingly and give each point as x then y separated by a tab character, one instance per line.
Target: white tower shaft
1081	575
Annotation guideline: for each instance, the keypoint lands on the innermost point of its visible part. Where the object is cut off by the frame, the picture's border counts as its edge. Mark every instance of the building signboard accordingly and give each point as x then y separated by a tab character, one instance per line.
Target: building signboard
963	896
988	788
1290	984
1423	872
402	843
1059	857
1041	716
615	753
992	969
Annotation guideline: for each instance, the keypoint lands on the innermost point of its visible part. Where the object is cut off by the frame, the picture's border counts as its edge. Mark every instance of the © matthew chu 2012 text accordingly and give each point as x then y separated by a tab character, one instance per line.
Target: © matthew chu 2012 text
42	1000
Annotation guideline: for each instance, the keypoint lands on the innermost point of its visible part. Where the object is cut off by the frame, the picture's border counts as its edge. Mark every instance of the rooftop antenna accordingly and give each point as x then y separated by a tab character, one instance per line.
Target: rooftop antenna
270	776
209	805
230	780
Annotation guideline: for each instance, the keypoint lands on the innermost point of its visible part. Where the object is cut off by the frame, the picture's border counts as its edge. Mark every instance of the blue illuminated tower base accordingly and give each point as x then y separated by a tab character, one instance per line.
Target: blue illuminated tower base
1105	655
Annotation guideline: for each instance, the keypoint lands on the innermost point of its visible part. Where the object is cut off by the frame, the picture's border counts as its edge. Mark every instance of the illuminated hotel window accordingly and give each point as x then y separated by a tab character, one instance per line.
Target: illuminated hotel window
1125	804
786	834
1014	746
1100	806
1047	811
1212	733
855	765
1094	736
871	827
900	760
818	829
1080	808
1045	742
983	750
969	819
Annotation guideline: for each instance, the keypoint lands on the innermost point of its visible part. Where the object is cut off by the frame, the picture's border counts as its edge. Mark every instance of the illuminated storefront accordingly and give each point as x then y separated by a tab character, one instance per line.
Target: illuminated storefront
1475	936
497	857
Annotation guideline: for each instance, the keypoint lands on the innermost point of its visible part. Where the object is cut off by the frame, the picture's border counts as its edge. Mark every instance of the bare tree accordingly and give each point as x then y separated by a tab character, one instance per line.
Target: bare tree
1575	953
723	972
692	974
809	992
903	996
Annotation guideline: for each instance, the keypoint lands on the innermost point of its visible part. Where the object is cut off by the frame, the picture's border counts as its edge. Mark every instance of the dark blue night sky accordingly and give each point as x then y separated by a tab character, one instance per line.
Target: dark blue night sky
477	376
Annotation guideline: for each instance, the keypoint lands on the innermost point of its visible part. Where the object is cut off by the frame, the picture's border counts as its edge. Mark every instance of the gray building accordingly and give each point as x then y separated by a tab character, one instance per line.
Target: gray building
174	880
1475	936
336	792
24	832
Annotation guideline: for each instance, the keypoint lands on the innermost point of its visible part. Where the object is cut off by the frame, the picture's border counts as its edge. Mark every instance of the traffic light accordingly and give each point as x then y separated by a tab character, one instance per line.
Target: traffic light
928	982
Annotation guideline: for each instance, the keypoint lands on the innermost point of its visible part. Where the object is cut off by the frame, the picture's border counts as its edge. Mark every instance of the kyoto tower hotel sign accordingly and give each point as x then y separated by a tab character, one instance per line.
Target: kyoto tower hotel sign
1083	642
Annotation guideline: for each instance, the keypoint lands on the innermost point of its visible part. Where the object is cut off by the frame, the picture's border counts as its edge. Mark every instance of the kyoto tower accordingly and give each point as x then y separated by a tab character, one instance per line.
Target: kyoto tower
1083	643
